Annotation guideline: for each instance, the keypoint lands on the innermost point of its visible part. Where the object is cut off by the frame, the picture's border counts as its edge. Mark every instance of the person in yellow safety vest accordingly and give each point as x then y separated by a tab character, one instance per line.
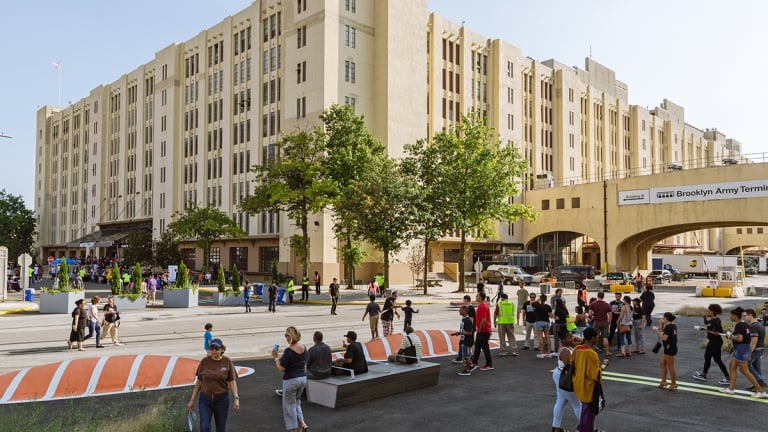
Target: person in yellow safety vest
305	288
504	318
127	281
30	275
290	290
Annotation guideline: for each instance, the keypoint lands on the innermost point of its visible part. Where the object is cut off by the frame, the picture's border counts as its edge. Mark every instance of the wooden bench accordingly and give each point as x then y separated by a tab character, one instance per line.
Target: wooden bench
381	380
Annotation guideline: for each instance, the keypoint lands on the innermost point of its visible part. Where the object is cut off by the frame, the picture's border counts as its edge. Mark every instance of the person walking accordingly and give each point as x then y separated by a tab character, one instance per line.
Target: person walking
372	310
79	318
625	328
522	297
668	335
600	314
247	297
408	311
111	319
293	366
504	319
529	317
587	378
216	378
272	292
388	314
742	347
483	334
316	279
714	328
563	358
649	302
543	313
757	334
561	315
207	338
616	306
95	321
334	293
638	325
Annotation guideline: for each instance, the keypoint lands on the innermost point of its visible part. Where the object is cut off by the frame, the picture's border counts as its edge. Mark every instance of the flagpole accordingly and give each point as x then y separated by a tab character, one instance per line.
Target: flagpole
59	69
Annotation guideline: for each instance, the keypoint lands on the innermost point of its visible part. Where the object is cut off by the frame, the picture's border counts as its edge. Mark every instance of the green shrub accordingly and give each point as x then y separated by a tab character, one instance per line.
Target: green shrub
235	279
114	283
63	276
182	278
136	278
221	281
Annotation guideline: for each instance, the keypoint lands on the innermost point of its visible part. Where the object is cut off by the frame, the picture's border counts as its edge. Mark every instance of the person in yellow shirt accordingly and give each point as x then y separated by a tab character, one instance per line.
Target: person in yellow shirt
586	375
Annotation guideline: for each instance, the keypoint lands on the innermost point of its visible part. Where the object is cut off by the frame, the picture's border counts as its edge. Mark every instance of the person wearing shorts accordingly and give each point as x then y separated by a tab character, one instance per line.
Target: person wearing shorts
372	310
601	312
543	313
742	351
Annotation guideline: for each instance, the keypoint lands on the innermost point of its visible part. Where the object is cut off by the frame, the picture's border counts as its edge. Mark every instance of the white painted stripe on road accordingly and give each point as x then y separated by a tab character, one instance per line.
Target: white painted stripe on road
14	385
134	372
96	375
681	386
55	380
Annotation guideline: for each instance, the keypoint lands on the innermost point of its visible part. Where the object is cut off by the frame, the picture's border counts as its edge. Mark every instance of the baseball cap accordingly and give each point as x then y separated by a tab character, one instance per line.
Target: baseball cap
216	342
350	334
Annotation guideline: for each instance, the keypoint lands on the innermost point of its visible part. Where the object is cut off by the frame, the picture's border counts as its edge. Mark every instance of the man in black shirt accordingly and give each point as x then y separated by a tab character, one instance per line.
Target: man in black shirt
757	333
388	313
354	357
616	305
529	316
333	291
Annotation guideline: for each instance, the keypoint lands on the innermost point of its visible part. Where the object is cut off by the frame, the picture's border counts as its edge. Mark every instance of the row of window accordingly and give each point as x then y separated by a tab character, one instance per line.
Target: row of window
238	256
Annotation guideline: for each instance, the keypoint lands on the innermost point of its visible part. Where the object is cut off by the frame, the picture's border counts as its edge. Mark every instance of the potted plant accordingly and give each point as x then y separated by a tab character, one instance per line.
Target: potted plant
224	296
182	294
61	298
133	299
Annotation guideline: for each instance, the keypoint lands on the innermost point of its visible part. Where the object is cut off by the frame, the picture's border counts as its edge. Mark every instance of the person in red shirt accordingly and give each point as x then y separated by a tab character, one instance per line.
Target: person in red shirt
601	313
483	333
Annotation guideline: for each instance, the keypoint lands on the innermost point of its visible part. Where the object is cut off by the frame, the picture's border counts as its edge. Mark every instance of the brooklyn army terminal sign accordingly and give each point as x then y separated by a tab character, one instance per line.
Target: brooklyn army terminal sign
702	192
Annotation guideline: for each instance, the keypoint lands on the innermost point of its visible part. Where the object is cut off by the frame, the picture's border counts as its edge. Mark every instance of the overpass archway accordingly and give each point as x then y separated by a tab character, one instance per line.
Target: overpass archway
565	247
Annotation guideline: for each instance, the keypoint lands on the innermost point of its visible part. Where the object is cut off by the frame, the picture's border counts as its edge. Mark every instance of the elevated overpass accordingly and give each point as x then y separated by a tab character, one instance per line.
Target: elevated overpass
627	217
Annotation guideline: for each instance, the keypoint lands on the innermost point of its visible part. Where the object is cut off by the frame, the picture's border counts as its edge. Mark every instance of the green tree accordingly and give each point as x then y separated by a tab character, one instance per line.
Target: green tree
478	176
352	255
182	278
17	226
139	247
294	183
136	279
235	278
166	250
205	225
63	275
221	281
351	149
115	281
383	210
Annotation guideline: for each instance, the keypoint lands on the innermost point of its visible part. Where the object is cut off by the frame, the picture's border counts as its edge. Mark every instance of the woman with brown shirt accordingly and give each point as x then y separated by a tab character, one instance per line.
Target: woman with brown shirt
216	376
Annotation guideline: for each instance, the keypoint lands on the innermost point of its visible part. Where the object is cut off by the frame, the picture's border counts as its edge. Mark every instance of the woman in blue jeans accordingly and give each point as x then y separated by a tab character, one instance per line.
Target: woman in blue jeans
216	377
293	366
563	358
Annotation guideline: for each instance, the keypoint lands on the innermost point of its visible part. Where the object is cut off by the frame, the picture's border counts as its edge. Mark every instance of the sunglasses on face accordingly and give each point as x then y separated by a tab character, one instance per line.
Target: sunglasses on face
214	348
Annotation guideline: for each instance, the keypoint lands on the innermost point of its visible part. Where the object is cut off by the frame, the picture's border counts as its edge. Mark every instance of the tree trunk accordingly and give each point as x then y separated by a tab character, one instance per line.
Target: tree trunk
348	264
386	268
304	245
426	263
461	260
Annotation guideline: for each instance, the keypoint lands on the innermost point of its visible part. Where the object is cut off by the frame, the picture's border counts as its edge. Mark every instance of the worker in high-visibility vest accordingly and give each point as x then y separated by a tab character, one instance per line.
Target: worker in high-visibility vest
504	320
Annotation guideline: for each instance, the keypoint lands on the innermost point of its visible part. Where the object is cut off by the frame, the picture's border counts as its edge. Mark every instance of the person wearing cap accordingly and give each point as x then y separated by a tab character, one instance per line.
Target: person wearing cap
504	320
293	364
216	377
354	357
79	318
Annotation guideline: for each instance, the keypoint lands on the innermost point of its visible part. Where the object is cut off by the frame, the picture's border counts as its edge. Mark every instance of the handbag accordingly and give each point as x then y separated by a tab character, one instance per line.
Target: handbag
566	378
598	398
410	352
625	328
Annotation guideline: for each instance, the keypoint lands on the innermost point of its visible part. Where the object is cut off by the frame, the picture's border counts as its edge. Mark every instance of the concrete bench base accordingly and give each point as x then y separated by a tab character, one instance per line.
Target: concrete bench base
380	381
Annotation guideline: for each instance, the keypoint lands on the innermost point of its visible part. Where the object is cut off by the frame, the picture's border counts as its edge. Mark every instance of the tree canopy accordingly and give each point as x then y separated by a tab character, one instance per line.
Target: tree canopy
204	225
17	226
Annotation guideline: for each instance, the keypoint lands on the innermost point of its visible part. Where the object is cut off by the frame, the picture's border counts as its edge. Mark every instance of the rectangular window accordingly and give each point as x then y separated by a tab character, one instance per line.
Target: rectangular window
301	37
239	256
545	204
267	255
188	256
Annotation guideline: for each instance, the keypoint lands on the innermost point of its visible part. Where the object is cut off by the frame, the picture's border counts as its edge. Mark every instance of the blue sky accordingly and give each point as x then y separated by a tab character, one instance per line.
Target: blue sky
705	55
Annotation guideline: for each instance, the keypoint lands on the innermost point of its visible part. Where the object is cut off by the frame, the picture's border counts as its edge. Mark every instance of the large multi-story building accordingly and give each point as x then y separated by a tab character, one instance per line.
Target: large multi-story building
184	128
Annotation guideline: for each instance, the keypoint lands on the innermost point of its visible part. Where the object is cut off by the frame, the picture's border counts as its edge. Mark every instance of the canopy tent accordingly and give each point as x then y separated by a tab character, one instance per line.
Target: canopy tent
70	261
107	235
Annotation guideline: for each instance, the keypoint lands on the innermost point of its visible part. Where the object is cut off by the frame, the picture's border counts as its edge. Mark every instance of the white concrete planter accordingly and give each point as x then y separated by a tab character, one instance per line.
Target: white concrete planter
125	303
228	299
180	298
59	302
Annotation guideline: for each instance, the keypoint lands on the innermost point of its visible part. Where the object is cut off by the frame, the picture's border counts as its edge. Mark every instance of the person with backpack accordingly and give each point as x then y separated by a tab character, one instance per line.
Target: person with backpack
410	349
466	336
587	378
567	342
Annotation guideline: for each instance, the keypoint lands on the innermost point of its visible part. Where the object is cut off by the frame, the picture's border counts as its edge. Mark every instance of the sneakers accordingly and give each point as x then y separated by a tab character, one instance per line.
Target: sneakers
724	381
486	368
473	368
118	343
699	376
525	347
759	395
515	354
465	372
457	361
502	353
542	355
279	392
726	390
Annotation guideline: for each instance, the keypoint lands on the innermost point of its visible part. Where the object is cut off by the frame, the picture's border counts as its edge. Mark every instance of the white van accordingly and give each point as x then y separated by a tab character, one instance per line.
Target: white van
516	271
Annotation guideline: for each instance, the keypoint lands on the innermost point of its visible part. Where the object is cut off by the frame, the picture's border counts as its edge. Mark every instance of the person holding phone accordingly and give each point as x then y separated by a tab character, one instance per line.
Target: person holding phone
216	378
293	366
668	335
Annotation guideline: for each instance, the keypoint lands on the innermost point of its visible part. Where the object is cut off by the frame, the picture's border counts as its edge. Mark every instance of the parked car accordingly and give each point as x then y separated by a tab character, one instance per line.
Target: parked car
496	276
658	276
514	270
575	273
543	277
751	271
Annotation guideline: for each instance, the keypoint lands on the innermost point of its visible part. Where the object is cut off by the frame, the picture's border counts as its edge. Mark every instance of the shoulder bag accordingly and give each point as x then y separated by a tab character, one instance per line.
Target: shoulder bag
566	378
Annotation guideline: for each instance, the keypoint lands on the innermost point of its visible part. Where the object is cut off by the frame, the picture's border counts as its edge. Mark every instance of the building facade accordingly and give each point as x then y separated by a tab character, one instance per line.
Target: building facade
183	129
